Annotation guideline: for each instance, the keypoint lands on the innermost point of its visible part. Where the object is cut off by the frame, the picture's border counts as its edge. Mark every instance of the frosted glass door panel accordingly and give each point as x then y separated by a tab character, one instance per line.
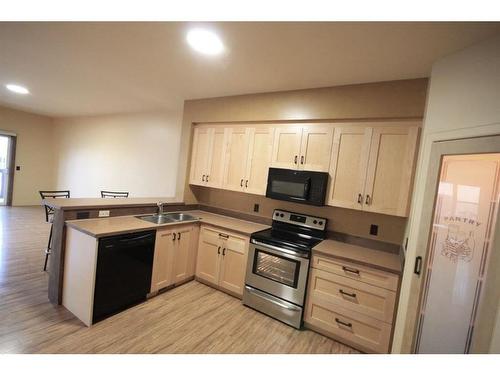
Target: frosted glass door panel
465	213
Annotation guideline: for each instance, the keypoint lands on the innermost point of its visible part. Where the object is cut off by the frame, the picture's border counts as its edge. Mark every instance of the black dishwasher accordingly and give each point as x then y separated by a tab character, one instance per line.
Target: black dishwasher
123	275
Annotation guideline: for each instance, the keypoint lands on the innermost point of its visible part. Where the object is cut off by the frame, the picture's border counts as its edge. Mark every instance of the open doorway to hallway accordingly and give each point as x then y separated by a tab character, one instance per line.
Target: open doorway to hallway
7	157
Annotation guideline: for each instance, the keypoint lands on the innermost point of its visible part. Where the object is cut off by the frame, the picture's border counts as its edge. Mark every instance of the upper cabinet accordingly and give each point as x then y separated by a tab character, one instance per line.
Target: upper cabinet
207	157
303	147
372	166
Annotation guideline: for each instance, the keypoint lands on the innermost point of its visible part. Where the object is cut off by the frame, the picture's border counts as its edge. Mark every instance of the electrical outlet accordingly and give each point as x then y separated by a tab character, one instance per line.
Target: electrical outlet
256	207
103	213
374	230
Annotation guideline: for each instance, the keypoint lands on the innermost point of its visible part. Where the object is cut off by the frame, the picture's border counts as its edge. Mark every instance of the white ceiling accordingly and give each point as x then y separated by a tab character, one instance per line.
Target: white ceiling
77	69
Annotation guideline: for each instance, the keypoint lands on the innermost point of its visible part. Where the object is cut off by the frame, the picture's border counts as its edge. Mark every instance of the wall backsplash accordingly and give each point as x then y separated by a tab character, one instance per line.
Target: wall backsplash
356	223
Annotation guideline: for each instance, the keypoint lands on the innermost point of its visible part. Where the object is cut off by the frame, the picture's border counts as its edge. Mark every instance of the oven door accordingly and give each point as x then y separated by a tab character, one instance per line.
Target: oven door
280	272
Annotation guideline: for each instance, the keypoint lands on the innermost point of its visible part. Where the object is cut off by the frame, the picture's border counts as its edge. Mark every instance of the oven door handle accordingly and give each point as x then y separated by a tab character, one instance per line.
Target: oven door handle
271	299
284	252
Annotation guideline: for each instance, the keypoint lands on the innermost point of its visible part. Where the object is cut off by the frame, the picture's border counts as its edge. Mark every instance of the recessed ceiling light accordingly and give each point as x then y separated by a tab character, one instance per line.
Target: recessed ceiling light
205	41
17	89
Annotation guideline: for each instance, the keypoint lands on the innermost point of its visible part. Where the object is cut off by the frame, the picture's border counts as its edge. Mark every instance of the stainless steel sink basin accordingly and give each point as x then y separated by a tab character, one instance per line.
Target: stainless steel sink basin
174	217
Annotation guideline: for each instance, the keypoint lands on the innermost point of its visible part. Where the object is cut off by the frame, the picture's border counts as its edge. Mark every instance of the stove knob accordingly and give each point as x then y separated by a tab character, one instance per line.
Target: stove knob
282	215
277	214
315	222
320	223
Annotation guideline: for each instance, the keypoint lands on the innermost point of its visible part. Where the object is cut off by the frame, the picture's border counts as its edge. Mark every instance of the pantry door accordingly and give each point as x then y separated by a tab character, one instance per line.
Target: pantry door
459	252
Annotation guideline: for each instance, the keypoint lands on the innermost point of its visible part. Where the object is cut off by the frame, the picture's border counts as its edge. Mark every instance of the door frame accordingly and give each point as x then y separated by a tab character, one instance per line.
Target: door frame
11	167
473	145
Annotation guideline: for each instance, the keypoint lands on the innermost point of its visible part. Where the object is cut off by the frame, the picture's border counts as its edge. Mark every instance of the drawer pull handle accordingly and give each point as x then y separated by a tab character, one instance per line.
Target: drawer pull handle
173	237
352	295
351	270
343	323
224	235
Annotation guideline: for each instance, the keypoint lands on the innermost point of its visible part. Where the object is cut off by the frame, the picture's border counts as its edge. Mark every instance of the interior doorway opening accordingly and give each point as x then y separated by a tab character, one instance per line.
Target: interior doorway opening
7	159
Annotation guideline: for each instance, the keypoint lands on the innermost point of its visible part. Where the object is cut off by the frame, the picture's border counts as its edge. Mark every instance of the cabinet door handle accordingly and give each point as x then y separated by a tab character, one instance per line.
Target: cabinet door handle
241	183
367	201
207	178
218	250
173	237
179	236
224	252
246	183
351	270
343	323
352	295
295	160
302	159
203	178
360	198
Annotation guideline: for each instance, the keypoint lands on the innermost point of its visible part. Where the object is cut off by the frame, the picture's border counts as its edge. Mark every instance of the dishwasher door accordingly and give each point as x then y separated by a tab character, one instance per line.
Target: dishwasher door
123	275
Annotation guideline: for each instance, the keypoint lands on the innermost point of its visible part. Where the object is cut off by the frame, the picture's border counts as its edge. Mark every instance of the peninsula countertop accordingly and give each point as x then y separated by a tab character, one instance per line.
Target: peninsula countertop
125	224
89	203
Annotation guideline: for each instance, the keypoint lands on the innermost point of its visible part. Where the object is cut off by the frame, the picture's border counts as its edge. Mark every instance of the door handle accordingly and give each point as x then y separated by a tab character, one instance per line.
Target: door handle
367	201
295	160
302	159
418	265
352	295
224	252
207	178
360	198
241	183
218	250
203	178
179	236
246	183
173	237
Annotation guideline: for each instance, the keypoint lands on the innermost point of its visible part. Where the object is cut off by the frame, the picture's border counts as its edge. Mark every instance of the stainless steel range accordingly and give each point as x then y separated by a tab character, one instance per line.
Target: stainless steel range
278	265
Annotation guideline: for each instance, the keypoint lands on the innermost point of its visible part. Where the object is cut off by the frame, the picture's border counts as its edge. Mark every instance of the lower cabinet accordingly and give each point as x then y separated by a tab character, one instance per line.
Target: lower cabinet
175	255
222	258
351	303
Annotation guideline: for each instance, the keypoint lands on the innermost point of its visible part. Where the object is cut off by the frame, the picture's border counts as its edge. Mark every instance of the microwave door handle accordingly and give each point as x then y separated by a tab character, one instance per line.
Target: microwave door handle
307	186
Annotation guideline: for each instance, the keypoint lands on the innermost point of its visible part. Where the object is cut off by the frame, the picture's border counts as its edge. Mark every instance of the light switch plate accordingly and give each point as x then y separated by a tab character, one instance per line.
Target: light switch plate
103	213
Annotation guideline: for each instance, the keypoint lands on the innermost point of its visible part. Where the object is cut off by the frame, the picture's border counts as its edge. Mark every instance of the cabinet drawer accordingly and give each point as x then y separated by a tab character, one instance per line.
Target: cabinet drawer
352	328
351	294
354	271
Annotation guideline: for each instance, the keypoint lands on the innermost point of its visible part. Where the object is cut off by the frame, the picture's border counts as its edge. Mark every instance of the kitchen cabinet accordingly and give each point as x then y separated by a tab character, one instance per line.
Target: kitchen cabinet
351	303
207	157
175	255
248	155
303	147
372	166
222	258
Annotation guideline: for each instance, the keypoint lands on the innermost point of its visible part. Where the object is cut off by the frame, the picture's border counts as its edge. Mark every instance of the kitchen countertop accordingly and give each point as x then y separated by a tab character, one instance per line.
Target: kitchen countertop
87	203
125	224
365	256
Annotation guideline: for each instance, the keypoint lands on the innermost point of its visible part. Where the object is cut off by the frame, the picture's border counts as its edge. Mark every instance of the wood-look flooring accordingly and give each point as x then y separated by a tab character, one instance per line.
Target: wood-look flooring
192	318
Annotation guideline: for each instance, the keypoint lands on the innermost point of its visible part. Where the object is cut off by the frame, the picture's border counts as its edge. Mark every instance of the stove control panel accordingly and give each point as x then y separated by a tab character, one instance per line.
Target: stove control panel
313	222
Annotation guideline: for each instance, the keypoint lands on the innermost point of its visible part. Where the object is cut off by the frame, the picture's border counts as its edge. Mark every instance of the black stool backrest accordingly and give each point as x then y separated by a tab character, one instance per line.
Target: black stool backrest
114	194
52	194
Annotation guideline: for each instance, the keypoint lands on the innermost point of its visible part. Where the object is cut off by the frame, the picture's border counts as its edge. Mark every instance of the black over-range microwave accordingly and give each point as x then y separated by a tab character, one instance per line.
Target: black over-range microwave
305	187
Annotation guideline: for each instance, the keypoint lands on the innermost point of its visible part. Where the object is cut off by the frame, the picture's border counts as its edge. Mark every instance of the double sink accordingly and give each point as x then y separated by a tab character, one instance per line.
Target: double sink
167	218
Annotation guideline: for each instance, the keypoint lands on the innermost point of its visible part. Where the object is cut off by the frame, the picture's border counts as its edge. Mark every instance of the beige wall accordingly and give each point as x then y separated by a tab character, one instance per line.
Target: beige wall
463	102
34	154
383	100
130	152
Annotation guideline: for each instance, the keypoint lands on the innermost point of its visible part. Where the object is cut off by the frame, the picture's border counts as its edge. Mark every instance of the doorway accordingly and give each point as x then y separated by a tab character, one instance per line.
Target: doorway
7	159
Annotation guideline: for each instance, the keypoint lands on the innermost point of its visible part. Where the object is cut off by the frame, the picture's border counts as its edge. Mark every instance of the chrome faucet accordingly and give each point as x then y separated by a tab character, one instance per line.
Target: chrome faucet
160	208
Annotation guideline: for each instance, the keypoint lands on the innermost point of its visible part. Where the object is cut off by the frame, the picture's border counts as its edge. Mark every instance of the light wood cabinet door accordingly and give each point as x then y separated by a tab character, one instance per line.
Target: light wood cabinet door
236	158
162	262
316	147
209	253
233	264
183	254
199	155
349	162
260	147
286	147
216	157
390	169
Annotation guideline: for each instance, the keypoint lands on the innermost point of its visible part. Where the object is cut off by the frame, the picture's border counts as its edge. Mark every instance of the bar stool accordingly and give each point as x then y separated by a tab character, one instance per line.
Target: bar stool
114	194
49	216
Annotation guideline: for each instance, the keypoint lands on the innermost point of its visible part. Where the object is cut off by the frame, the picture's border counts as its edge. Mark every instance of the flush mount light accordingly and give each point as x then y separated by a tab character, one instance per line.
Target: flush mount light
205	41
17	89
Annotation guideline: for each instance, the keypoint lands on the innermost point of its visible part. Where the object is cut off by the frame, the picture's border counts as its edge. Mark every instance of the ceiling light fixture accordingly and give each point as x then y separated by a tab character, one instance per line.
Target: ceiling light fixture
205	41
17	89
